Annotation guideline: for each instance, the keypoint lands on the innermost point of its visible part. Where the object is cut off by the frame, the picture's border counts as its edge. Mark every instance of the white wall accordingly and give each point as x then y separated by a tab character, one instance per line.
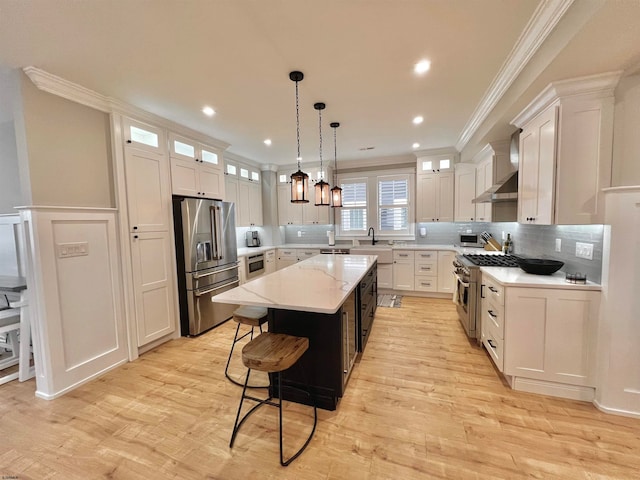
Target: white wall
626	133
9	175
68	150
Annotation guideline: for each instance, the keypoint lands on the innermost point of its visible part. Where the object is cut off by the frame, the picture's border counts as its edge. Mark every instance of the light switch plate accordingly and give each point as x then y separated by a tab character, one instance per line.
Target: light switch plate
584	250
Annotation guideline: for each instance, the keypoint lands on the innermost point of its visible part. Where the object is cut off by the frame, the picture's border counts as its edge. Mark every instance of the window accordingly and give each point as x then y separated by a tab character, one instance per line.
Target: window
231	169
209	157
393	204
353	214
184	149
143	136
379	200
244	173
255	176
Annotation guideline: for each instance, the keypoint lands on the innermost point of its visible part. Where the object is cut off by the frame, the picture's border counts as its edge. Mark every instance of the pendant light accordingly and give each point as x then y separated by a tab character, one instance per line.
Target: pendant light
299	180
322	187
336	192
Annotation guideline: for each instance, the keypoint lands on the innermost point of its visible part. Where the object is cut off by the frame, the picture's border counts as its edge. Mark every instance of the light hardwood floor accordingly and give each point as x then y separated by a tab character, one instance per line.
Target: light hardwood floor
423	402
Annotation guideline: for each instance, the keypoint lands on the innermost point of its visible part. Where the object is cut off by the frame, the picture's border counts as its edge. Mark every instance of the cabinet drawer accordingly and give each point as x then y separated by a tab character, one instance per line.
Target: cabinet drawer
431	255
493	314
493	291
403	255
425	283
426	267
494	345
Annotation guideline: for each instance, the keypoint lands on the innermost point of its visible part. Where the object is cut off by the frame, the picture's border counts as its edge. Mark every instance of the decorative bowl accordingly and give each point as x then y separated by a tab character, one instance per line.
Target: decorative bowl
539	266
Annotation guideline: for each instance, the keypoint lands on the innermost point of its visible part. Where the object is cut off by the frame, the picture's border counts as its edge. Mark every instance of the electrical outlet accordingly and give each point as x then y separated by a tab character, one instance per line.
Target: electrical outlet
299	233
328	232
558	244
503	236
584	250
76	249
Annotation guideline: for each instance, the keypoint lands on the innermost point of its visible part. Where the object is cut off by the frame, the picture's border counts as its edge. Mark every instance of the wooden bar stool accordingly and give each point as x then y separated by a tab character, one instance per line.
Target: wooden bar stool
253	317
274	353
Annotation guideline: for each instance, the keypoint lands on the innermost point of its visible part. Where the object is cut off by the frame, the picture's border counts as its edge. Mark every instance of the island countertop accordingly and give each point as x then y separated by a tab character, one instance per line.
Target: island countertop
319	284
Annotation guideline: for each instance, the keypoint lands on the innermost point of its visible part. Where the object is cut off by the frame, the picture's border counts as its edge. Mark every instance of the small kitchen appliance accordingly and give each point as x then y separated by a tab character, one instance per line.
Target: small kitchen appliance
253	239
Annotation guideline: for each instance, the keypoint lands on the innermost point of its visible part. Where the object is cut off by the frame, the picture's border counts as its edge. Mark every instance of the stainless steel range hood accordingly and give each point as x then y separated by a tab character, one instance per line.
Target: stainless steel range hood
503	191
506	188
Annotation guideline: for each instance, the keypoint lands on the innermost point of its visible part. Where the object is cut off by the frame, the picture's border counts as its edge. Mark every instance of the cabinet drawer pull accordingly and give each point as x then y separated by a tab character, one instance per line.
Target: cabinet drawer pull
490	342
493	289
491	314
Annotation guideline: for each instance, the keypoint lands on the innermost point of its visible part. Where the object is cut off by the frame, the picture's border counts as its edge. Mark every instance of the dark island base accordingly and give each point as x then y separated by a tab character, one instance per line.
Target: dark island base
322	362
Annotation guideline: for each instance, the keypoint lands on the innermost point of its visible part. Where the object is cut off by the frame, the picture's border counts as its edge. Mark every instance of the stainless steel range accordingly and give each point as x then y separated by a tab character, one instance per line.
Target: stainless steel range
467	296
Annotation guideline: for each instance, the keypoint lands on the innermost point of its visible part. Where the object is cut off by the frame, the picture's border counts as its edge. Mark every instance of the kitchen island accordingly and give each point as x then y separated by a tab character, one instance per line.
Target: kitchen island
320	298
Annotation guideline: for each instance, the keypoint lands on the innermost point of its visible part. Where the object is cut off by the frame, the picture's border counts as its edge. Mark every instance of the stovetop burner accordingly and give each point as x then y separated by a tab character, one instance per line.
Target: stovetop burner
492	260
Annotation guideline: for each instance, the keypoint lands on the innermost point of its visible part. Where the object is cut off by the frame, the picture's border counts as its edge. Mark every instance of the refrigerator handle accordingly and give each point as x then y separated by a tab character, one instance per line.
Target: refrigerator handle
216	226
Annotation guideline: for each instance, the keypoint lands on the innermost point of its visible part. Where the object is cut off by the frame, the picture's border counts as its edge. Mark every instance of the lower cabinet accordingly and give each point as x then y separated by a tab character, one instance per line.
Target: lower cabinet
289	256
542	339
367	299
403	270
428	271
269	261
550	334
153	285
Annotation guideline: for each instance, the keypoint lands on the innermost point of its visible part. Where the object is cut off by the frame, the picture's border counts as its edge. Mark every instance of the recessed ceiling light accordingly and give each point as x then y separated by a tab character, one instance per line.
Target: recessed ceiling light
267	142
208	111
418	120
422	66
416	145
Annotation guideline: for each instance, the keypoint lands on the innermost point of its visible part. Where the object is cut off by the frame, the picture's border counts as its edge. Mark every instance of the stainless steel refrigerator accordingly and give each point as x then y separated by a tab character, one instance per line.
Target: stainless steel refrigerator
207	260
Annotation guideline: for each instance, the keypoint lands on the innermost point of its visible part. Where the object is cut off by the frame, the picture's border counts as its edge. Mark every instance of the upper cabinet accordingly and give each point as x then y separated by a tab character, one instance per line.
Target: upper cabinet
302	214
435	188
493	168
566	151
196	168
244	188
465	192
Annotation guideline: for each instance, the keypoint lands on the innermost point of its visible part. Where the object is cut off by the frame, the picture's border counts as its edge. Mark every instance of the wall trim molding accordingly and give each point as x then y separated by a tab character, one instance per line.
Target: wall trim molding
543	21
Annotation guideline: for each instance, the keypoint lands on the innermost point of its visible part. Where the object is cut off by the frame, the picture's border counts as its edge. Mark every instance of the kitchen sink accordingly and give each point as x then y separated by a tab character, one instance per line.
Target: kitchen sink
384	252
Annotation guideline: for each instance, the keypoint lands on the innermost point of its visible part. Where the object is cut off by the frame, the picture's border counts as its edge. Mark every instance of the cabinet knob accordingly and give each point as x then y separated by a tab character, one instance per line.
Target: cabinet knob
135	227
135	236
128	141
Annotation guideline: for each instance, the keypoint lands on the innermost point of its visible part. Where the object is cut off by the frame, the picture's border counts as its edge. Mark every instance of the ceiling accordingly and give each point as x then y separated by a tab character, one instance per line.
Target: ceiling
172	58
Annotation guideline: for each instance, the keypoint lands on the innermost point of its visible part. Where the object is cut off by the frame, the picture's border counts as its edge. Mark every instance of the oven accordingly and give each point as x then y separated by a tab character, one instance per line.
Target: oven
465	297
255	265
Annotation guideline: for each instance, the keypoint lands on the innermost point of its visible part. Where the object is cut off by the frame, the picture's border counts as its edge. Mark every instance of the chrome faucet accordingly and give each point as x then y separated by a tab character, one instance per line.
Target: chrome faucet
370	233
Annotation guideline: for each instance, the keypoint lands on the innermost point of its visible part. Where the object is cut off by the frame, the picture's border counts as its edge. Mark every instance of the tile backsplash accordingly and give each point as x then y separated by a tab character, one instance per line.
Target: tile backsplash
530	241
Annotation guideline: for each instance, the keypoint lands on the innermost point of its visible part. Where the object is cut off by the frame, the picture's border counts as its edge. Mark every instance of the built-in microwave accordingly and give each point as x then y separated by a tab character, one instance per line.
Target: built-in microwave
255	265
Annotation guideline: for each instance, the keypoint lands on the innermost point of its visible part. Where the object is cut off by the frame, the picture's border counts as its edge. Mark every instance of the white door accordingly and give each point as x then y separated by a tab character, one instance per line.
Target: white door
153	288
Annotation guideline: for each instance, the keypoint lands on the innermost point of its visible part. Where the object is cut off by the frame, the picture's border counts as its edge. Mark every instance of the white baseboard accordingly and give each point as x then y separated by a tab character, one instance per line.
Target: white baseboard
616	411
573	392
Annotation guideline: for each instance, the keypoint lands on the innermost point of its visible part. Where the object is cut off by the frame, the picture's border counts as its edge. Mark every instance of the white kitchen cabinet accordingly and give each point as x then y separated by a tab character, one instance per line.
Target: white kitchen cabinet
315	215
196	169
249	207
426	271
403	270
148	197
385	275
465	192
566	151
492	320
232	194
484	176
153	287
242	270
288	213
270	261
438	163
446	279
434	197
149	210
550	334
286	257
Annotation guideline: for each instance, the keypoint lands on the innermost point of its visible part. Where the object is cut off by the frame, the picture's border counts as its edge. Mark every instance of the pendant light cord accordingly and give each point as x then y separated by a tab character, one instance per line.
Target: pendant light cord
297	126
320	125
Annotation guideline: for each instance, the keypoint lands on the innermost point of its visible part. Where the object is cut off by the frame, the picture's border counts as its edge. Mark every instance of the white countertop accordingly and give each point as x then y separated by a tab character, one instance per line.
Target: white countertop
319	284
516	277
245	251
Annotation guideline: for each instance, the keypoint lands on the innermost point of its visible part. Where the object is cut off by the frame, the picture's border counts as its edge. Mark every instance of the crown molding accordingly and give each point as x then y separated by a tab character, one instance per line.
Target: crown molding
540	25
60	87
601	85
436	152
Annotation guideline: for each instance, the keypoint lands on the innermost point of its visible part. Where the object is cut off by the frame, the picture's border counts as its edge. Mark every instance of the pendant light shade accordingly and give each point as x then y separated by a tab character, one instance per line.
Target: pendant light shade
322	187
299	180
336	192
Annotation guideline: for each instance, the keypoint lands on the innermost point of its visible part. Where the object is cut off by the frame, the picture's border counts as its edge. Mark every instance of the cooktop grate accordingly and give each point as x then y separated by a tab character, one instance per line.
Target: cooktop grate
492	260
